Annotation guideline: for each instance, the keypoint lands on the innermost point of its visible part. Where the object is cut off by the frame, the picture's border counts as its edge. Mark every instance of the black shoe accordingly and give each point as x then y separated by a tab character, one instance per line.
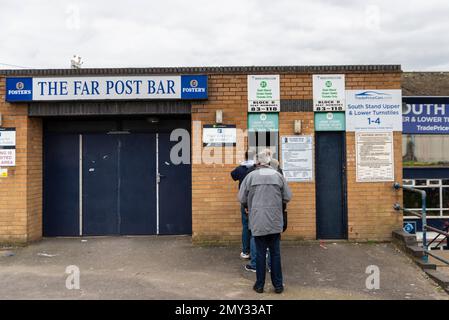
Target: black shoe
258	290
279	290
249	268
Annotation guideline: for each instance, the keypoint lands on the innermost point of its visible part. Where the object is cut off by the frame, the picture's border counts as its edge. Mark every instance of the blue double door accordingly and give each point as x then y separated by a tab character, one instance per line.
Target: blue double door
114	184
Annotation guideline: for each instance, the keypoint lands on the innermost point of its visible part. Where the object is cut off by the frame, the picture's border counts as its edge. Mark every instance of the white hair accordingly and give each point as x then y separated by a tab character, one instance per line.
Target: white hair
264	158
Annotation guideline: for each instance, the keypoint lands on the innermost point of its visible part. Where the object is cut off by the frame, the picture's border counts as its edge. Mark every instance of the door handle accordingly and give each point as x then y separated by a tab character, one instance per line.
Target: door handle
158	177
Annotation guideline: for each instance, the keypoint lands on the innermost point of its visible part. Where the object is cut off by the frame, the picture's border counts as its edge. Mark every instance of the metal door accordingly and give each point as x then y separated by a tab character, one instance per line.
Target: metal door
137	184
331	213
175	190
61	185
100	169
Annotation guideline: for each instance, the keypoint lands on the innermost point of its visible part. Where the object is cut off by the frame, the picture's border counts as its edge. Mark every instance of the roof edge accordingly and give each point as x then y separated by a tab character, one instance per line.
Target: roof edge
206	70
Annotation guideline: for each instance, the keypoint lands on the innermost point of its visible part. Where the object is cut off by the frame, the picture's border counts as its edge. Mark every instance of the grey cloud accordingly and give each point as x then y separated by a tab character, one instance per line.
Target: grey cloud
252	32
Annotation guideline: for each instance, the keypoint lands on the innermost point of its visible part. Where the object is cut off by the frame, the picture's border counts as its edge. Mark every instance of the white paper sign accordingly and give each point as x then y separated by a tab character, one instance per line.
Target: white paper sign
7	137
297	158
219	135
264	93
7	157
374	156
373	110
329	92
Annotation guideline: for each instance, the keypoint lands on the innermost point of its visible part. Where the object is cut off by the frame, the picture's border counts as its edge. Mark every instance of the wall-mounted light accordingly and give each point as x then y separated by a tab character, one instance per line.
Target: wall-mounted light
153	120
219	116
297	126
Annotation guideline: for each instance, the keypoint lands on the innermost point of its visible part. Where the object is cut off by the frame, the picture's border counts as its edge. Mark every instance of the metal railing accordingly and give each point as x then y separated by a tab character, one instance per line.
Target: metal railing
425	227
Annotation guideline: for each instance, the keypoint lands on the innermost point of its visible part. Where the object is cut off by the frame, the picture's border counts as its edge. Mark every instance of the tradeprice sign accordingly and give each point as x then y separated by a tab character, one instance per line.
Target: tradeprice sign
373	110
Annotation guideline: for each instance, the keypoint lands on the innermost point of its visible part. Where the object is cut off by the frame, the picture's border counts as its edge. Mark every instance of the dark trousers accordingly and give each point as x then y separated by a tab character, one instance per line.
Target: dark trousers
246	234
272	242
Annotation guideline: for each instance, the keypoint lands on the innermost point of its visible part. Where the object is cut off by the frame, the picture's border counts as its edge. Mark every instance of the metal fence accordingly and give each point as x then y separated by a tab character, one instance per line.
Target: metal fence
425	227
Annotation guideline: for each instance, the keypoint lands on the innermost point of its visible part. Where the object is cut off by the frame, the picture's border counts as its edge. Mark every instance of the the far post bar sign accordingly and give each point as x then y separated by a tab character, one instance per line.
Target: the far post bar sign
175	87
329	92
264	93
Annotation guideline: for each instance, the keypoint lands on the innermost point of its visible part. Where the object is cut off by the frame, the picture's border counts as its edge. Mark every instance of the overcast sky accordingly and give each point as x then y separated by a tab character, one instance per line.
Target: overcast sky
45	34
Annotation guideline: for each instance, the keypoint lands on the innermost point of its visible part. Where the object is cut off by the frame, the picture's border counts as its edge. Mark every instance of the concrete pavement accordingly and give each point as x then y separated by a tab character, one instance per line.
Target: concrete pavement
167	267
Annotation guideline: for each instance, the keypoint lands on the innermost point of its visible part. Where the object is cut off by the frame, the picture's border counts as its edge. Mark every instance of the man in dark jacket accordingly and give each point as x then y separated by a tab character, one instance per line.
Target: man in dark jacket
239	173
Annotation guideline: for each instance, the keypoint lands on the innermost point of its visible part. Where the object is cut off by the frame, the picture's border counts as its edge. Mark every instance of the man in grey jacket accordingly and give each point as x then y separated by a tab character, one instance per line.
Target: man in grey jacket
263	192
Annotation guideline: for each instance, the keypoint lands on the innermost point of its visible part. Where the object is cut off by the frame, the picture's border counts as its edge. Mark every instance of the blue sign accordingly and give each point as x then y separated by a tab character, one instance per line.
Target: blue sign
193	87
19	89
425	117
185	87
409	227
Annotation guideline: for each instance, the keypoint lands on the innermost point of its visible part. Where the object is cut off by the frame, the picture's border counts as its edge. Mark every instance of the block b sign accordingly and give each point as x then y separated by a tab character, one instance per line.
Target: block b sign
184	87
264	93
329	92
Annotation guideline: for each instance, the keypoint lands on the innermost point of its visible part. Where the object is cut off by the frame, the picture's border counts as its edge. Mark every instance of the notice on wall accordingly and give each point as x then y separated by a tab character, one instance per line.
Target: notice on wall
297	158
7	137
374	156
373	110
329	92
219	135
7	147
7	157
264	93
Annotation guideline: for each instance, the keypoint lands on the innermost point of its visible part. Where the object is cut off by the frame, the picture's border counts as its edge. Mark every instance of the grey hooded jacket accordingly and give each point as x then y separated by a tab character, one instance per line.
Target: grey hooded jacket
263	192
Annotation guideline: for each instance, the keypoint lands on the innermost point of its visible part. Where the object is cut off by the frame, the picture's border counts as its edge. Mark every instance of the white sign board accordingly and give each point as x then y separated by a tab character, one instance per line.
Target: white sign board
373	110
329	92
264	93
7	137
7	157
374	156
219	135
297	158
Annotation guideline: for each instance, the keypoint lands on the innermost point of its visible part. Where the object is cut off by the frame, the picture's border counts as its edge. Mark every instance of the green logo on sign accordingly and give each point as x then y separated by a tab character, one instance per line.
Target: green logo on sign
263	84
328	83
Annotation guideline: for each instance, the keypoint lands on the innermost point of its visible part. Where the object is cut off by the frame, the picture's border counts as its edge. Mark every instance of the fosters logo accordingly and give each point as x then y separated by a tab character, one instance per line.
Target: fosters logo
19	88
194	86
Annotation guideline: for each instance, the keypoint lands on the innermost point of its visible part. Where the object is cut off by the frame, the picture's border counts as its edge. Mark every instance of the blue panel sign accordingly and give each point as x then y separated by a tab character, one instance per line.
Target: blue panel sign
193	87
425	117
409	227
19	89
174	87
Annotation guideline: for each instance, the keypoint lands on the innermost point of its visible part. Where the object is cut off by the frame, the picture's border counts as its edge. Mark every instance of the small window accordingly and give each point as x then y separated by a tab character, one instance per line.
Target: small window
421	182
434	182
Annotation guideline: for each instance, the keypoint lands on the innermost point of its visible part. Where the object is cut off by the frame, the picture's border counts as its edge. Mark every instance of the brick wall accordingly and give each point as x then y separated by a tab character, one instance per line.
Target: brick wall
21	191
370	212
215	210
